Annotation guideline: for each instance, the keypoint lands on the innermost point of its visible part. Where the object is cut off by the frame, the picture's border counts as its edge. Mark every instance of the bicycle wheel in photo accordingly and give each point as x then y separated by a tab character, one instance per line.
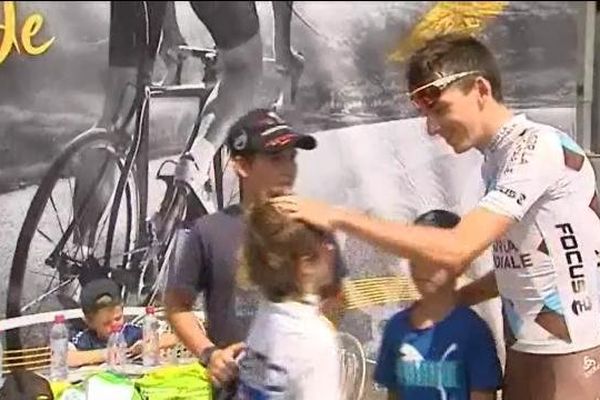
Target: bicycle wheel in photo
151	258
61	245
353	367
178	210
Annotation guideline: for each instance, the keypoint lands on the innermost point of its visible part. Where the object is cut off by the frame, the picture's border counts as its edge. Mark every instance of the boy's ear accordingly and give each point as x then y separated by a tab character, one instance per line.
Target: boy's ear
241	166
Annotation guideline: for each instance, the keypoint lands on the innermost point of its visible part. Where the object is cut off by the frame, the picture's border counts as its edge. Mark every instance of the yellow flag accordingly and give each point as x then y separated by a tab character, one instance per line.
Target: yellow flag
460	17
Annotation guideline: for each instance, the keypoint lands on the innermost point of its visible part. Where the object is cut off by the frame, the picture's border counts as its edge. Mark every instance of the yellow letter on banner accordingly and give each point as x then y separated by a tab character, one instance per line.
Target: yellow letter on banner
9	36
466	17
32	26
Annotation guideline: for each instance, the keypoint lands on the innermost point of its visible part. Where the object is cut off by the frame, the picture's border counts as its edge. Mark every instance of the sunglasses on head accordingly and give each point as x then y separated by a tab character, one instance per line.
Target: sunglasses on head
424	97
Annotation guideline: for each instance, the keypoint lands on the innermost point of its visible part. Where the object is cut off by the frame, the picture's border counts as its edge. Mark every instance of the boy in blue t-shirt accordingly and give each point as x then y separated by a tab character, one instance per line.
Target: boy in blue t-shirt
436	349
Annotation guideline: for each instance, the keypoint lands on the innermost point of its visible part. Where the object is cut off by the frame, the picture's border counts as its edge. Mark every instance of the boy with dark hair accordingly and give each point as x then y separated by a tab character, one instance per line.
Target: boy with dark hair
263	150
437	349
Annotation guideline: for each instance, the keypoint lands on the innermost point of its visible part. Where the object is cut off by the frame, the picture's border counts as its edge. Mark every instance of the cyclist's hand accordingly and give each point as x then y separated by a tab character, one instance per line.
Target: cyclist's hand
169	48
291	64
312	212
173	59
222	365
171	54
297	62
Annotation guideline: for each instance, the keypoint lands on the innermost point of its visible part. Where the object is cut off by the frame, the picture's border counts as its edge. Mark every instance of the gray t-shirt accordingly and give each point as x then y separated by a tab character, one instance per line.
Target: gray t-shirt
206	261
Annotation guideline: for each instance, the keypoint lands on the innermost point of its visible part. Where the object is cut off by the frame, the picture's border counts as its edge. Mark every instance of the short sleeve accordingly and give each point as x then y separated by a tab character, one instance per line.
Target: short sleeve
187	269
533	166
82	341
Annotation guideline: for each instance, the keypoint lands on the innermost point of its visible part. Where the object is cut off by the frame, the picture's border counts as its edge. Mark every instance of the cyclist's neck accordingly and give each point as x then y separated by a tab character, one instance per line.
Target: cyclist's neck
496	116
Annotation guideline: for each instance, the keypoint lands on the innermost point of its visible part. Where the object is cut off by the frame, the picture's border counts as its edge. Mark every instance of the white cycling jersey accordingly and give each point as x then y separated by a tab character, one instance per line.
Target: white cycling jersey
547	264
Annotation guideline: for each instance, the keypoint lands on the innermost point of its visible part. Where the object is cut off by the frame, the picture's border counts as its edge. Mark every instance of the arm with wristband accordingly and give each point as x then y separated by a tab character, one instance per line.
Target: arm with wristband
188	277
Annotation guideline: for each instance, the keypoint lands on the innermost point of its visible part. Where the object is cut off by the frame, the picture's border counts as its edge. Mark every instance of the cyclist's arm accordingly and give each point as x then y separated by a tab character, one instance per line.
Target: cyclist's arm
172	36
454	248
534	168
478	291
282	15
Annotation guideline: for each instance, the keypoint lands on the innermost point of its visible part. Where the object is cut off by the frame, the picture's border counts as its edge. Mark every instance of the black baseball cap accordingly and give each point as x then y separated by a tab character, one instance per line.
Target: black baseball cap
96	289
438	219
263	131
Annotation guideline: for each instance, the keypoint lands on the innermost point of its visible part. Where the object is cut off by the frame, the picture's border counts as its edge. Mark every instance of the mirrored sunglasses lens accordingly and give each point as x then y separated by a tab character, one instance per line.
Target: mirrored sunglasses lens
426	97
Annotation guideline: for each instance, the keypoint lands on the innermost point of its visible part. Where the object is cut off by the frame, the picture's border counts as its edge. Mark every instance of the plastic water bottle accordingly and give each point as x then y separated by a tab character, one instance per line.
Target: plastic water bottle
59	347
151	356
116	348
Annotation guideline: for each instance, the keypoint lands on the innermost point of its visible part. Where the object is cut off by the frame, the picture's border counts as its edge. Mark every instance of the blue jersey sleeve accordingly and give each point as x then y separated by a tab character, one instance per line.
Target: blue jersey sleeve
483	366
82	341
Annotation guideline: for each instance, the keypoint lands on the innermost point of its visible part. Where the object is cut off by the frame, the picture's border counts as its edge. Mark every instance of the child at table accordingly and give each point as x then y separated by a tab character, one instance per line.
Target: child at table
102	308
436	349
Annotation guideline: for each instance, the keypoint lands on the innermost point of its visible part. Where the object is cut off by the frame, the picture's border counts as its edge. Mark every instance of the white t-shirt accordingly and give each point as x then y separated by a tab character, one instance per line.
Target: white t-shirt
547	264
292	354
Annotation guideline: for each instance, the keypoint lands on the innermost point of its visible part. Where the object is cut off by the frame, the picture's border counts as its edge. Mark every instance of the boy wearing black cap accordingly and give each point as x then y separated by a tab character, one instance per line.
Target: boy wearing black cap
102	308
263	150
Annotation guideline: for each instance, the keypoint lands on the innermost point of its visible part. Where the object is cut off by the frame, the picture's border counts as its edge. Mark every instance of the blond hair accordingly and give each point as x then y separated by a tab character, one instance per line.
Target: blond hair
273	246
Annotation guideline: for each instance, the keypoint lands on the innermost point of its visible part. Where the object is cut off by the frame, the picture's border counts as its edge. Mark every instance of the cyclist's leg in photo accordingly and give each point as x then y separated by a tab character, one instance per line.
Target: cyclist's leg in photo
135	33
135	29
289	62
234	27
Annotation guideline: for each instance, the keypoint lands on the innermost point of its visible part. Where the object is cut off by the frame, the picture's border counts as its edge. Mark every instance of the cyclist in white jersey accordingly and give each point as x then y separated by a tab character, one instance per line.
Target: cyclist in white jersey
546	266
539	214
